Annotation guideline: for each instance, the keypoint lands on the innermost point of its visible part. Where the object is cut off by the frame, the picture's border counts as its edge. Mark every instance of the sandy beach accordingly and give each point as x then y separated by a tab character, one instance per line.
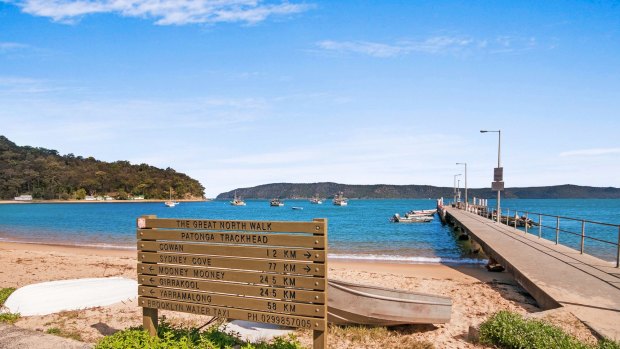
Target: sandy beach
475	292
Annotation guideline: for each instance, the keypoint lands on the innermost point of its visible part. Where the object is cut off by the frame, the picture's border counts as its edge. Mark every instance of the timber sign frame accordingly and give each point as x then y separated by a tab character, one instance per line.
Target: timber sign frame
261	271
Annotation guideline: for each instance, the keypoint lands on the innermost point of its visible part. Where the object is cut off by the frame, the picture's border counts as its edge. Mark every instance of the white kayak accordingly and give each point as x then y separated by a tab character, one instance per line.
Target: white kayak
62	295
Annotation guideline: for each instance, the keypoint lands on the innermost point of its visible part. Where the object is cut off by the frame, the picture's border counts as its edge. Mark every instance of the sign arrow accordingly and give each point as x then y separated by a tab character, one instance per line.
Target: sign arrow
152	292
152	280
307	254
307	268
151	269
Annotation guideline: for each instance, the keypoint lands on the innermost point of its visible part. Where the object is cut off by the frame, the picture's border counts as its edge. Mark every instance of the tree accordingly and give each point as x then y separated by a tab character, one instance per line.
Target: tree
80	194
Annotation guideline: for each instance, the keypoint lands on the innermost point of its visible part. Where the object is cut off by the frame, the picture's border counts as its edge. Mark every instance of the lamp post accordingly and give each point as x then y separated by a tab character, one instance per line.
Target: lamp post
456	175
466	200
458	192
499	173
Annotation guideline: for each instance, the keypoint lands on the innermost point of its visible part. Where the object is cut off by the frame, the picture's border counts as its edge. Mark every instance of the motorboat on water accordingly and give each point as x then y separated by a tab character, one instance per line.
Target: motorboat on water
236	201
396	218
421	212
316	200
340	200
297	208
276	203
350	303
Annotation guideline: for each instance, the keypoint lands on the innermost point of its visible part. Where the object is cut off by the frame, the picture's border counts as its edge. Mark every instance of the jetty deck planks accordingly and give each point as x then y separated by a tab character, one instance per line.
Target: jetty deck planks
263	271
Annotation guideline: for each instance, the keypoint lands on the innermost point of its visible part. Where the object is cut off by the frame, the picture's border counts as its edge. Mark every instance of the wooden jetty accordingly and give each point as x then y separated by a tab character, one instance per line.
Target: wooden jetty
555	275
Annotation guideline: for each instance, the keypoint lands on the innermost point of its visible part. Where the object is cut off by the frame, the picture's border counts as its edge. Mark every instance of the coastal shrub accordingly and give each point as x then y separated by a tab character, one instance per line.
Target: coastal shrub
169	336
509	330
9	318
4	294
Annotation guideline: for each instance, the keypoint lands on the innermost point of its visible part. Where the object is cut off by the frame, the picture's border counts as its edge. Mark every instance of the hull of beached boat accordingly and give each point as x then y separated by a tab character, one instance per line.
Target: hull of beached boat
350	304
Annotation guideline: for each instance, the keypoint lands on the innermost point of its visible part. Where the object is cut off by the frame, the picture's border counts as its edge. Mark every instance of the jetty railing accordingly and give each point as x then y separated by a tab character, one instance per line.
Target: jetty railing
550	226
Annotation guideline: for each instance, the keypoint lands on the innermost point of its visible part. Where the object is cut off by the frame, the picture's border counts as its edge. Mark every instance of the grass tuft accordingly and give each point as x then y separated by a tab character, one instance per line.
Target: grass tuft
62	333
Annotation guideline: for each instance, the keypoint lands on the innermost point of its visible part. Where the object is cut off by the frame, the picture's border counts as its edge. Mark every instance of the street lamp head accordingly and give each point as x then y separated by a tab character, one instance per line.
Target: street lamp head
483	131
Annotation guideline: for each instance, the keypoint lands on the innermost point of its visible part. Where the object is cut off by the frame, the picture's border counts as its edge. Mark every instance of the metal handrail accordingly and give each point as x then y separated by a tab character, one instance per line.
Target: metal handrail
489	214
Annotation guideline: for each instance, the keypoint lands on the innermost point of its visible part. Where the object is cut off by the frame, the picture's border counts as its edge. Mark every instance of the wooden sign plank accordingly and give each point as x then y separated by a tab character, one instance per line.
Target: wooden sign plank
288	294
236	251
231	313
238	238
316	227
268	279
261	265
208	298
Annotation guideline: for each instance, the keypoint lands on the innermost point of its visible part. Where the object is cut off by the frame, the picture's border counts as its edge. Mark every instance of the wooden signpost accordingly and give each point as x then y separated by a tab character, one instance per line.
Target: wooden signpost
262	271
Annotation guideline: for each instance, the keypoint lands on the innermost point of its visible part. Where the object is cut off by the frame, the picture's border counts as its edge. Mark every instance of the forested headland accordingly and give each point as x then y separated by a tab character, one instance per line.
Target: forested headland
45	174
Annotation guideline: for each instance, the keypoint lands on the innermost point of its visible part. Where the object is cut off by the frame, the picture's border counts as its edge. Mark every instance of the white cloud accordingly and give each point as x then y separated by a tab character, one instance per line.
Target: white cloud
431	45
363	47
12	46
164	12
591	152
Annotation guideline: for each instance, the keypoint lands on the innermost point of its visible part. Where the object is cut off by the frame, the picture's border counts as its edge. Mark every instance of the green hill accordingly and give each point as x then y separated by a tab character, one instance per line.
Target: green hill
45	174
388	191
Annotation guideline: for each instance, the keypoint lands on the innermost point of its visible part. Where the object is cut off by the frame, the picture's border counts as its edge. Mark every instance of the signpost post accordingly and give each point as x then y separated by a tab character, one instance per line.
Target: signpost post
261	271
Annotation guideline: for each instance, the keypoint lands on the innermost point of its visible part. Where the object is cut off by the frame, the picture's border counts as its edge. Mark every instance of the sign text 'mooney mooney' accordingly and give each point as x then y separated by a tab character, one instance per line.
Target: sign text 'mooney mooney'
272	279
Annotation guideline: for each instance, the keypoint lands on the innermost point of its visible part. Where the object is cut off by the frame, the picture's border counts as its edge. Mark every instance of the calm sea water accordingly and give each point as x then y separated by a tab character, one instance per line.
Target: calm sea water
359	231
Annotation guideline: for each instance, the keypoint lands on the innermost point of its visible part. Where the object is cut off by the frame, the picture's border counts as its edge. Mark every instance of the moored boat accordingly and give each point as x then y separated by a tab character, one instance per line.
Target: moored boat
276	202
350	303
170	203
236	201
396	218
340	200
316	200
421	212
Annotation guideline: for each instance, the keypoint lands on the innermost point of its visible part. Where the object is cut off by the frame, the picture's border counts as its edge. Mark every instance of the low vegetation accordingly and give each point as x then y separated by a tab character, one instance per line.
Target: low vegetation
169	336
4	294
509	330
9	318
63	333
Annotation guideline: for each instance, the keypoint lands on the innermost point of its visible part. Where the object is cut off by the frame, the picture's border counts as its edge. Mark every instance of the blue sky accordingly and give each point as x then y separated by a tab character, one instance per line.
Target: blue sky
238	93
